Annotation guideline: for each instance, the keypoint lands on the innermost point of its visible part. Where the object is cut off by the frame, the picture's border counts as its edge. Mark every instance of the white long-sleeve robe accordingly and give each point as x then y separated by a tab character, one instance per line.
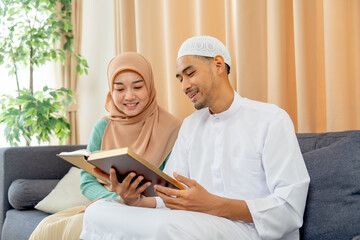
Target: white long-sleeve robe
249	152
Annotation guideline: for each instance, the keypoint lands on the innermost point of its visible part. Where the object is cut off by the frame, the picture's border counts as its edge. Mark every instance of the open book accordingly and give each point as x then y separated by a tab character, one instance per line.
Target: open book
124	161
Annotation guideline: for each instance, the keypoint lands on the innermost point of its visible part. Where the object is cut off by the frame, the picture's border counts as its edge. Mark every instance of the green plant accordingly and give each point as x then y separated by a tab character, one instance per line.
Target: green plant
38	114
30	35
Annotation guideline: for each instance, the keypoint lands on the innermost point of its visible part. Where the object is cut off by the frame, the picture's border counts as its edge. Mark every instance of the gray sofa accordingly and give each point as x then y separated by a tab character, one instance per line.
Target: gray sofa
333	205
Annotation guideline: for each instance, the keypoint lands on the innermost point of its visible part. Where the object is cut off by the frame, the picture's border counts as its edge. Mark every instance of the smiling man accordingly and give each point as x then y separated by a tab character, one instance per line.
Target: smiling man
239	158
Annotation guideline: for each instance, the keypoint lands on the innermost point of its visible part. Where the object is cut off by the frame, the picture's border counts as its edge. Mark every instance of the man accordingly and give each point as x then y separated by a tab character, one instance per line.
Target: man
239	158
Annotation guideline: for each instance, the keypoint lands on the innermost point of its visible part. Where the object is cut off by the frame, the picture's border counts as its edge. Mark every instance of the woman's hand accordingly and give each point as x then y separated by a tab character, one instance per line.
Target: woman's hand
129	190
105	184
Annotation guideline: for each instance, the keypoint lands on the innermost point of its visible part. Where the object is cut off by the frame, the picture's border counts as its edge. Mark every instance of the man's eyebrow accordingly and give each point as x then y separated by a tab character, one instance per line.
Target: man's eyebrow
184	70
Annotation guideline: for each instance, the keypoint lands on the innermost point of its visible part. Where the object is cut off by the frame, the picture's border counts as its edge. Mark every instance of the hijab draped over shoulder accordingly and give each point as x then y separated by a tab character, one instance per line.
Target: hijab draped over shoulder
151	133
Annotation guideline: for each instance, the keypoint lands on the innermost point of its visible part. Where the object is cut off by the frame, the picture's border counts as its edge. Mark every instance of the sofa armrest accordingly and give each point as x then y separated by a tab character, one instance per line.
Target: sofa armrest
30	163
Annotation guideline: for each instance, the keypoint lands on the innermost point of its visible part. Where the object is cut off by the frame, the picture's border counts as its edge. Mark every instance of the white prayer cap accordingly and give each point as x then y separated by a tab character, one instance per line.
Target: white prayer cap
204	46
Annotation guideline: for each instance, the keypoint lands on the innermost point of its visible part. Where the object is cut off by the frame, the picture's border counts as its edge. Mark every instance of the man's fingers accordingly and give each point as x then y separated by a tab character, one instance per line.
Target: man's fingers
187	181
170	202
168	191
163	196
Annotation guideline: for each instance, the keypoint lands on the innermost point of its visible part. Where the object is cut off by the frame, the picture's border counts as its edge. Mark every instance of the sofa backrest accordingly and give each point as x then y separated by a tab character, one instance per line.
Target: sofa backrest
333	200
312	141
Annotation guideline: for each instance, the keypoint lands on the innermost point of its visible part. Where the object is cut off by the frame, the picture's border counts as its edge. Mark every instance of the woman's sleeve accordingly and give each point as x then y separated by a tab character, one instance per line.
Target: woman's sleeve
89	185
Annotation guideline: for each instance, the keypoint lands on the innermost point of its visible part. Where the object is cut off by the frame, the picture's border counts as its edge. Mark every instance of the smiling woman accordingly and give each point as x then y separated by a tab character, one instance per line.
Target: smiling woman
135	120
130	94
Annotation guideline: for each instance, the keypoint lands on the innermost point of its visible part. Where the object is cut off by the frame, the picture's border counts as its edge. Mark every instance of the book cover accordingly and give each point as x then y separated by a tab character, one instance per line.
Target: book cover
124	160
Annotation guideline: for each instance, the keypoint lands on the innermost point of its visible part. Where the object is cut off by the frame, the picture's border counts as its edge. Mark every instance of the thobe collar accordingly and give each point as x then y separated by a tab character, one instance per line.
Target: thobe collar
234	107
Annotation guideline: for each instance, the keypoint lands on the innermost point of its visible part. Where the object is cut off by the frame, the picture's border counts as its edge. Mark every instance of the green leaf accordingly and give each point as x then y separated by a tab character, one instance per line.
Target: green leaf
41	109
30	105
25	97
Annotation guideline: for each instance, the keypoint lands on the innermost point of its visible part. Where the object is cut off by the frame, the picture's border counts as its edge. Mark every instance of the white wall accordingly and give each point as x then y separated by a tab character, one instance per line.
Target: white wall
98	48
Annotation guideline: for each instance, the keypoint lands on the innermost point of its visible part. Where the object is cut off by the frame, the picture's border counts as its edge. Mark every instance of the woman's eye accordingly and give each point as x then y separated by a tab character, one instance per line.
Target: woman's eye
120	89
138	87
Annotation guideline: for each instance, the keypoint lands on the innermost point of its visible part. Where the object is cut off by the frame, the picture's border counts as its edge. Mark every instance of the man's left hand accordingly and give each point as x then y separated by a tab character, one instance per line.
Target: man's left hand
195	198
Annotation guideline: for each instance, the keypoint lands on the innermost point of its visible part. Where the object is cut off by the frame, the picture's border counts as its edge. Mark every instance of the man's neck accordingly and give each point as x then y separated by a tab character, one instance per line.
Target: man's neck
222	100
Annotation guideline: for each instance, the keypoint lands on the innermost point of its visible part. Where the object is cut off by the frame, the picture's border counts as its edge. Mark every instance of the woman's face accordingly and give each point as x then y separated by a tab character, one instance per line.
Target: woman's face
130	94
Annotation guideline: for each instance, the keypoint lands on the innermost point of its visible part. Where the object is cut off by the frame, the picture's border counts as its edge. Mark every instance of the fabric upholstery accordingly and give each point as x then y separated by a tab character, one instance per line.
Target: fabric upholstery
333	203
26	193
19	225
312	141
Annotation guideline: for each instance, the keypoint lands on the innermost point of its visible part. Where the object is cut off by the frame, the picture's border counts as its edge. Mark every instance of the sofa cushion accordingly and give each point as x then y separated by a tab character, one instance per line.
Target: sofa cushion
65	195
26	193
333	203
20	224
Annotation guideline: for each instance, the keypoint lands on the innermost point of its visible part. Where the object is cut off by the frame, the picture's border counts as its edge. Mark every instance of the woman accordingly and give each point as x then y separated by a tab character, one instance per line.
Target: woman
135	120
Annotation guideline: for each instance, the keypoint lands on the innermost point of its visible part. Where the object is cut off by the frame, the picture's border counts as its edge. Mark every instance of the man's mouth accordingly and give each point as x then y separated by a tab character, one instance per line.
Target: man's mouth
192	95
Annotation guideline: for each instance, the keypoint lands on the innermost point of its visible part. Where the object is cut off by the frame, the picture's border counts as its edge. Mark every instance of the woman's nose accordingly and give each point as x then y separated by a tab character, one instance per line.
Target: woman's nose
129	95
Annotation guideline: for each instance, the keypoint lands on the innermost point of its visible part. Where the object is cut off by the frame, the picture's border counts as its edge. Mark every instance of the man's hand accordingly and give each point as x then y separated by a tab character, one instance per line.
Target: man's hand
129	191
195	198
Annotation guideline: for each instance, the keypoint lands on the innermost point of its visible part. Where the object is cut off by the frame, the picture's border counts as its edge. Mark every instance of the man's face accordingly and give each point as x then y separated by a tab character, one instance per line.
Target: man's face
197	79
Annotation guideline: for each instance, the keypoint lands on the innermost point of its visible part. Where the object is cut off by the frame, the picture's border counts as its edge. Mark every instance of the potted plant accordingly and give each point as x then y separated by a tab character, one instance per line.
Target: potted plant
30	33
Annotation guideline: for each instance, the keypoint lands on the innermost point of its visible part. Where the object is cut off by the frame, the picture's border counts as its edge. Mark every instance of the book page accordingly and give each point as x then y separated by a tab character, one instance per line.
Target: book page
81	152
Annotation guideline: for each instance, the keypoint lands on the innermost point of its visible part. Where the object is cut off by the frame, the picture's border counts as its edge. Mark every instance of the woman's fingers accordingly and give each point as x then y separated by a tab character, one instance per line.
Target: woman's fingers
138	186
142	188
130	188
136	182
127	180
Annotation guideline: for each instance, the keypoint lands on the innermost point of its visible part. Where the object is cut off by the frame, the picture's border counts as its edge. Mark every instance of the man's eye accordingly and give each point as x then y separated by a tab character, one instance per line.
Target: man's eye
191	74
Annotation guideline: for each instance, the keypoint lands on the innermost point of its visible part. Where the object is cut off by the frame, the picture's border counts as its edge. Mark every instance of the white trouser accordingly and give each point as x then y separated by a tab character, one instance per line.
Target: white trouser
109	219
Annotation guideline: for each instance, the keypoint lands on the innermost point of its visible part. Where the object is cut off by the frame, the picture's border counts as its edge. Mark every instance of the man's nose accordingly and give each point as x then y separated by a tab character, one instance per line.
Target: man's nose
185	84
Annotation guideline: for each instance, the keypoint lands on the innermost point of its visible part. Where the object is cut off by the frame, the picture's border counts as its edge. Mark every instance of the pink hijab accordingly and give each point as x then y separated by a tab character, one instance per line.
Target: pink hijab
151	133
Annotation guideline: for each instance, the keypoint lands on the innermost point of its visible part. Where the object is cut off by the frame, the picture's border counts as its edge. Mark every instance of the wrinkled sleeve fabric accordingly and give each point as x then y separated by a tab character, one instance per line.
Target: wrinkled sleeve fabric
89	185
287	179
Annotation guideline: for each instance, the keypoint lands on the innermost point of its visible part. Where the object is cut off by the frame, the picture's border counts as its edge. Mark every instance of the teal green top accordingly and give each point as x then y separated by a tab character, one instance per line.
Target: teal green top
90	187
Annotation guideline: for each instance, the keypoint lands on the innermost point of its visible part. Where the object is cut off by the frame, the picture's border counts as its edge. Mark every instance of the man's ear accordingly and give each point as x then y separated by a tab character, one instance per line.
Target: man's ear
219	64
